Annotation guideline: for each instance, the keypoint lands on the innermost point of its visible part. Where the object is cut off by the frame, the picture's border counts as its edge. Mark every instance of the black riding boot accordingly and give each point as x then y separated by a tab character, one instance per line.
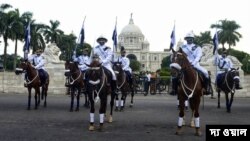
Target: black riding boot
207	86
174	86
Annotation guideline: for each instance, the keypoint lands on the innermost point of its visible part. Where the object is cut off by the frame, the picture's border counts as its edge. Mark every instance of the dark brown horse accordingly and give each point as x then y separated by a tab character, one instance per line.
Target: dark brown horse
123	86
75	83
33	81
98	89
189	87
227	84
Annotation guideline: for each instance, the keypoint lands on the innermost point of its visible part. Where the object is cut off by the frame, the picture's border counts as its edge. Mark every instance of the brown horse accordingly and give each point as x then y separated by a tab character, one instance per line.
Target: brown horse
123	86
227	84
98	89
33	81
76	83
189	86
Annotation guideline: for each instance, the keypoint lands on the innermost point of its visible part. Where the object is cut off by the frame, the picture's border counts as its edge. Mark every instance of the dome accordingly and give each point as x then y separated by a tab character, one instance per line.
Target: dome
131	28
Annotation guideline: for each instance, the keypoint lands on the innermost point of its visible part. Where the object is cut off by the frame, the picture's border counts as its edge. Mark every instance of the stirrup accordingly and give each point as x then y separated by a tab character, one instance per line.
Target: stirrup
25	84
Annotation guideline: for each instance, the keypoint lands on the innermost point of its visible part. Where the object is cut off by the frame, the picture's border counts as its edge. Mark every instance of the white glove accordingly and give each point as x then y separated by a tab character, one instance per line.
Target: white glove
104	61
194	63
36	67
74	52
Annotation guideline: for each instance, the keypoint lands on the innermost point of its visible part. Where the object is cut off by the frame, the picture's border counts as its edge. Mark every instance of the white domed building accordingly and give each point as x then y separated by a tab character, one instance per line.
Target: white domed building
137	47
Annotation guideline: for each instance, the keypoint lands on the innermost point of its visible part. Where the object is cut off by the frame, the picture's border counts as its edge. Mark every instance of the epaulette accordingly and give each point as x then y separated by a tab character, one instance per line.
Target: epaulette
194	47
106	48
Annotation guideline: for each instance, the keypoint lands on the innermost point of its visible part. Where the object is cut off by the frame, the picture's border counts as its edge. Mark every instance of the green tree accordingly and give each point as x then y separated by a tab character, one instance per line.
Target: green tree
227	32
166	62
53	34
203	38
135	65
37	39
5	28
67	45
17	28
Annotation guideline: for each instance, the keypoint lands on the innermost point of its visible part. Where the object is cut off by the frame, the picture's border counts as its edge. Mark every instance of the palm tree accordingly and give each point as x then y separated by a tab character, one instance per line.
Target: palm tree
18	28
37	40
52	34
5	27
203	38
227	32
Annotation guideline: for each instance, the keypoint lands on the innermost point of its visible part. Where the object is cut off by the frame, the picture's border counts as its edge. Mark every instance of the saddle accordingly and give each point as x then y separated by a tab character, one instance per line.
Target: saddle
108	74
43	75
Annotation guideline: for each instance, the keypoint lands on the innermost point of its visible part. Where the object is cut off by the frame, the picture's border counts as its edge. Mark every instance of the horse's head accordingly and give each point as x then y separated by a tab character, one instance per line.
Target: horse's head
23	66
94	72
234	74
70	67
117	67
179	62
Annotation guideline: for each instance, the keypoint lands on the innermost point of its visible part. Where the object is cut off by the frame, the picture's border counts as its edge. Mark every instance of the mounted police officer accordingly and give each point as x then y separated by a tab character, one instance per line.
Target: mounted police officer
194	54
38	61
105	54
125	66
224	64
82	60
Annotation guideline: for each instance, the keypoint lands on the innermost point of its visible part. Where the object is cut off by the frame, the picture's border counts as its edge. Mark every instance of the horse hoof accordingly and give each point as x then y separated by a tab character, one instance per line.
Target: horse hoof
100	128
91	128
192	124
71	110
131	105
122	109
197	134
110	119
116	109
77	109
28	108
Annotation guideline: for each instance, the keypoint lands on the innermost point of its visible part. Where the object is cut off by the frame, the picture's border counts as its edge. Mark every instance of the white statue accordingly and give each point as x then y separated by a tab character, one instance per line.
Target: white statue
51	54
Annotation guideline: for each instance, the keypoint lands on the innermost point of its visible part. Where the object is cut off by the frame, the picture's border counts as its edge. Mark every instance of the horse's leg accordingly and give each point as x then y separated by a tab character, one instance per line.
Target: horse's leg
132	98
43	89
123	100
102	109
197	116
227	102
92	112
218	98
181	115
86	104
192	106
45	95
36	96
72	95
231	102
113	94
29	98
78	99
116	102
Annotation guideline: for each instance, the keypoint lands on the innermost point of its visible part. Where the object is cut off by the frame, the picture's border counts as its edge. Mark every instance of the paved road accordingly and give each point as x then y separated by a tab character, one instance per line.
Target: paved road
153	118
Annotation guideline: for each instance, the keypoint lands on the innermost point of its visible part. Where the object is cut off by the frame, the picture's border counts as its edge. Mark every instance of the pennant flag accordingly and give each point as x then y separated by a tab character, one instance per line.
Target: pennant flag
215	41
27	39
82	36
114	38
172	43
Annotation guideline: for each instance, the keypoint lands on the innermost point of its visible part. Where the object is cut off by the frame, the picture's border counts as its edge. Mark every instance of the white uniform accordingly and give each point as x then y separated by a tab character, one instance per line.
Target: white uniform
194	54
224	64
125	63
82	60
38	61
105	54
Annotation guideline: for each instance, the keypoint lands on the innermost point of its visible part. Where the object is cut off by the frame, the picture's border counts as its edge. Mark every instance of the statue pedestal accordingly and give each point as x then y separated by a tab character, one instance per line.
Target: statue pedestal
57	78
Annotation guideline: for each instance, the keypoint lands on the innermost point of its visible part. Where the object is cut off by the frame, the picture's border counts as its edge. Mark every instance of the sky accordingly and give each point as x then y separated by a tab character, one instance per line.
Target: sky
155	18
